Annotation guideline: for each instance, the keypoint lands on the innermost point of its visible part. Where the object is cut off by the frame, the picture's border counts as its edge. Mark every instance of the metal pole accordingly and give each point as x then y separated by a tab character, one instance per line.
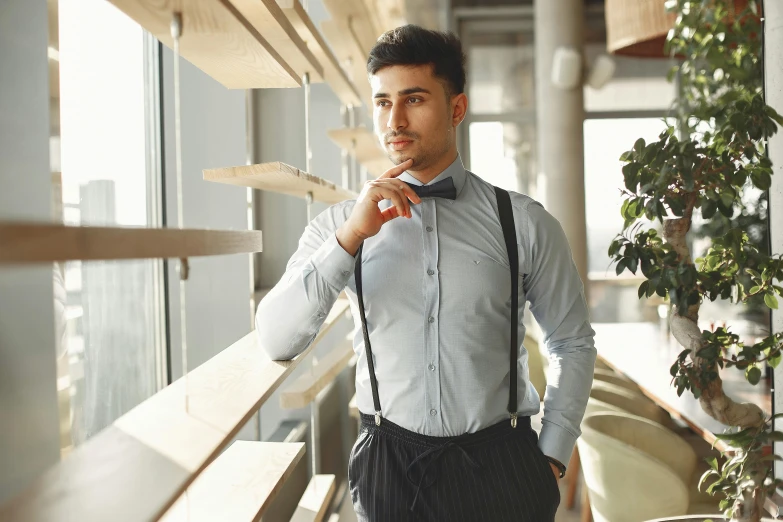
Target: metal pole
176	33
308	150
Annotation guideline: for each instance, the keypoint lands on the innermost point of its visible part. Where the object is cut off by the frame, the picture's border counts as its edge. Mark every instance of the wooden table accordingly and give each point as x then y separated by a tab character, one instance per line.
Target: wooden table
642	353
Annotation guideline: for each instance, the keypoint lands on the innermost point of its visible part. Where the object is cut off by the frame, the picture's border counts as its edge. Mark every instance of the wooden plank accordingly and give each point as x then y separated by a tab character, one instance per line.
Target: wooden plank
363	145
268	19
316	499
217	39
138	467
303	390
239	485
349	52
647	363
334	74
45	243
281	178
354	13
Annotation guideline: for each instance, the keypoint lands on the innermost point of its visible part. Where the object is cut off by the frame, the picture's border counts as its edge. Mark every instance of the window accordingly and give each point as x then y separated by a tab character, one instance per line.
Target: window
110	353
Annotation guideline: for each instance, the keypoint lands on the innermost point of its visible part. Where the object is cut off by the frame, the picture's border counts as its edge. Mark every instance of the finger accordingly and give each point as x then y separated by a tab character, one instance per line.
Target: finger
389	214
406	189
397	169
395	195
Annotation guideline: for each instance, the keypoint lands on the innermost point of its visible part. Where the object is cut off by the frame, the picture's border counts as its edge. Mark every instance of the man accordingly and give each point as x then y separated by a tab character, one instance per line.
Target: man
446	430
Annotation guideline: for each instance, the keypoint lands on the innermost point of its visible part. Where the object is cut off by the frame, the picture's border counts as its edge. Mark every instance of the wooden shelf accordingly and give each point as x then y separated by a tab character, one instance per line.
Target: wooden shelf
363	145
217	39
346	46
354	14
239	485
303	390
268	19
333	73
282	178
44	243
151	455
314	504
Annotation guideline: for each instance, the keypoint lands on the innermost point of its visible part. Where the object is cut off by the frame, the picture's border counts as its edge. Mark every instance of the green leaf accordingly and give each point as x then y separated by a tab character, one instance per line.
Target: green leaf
639	145
622	265
774	359
771	301
643	288
753	375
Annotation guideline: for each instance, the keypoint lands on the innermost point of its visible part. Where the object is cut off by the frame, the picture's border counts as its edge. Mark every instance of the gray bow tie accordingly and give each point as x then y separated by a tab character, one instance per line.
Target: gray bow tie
442	189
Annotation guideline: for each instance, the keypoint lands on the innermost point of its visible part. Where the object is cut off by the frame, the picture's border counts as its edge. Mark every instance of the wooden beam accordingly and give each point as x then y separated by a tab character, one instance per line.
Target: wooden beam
353	409
45	243
349	52
354	13
217	39
315	502
139	466
281	178
268	19
363	145
239	485
334	74
303	390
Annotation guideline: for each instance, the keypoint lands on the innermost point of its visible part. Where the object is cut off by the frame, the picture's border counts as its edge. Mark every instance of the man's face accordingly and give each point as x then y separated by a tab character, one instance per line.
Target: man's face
413	115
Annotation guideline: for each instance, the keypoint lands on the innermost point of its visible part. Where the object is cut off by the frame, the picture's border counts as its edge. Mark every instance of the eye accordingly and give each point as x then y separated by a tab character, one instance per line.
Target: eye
381	103
414	100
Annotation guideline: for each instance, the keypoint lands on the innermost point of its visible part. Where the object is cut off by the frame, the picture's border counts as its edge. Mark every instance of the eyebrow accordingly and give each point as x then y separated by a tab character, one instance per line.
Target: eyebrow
404	92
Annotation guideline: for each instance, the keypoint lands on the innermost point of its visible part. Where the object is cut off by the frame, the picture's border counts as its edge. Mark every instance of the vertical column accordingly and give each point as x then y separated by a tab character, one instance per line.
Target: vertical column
29	437
559	119
773	79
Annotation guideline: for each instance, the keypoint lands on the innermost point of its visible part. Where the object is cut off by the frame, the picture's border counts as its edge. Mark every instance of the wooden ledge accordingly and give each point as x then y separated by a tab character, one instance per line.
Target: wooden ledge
304	390
239	485
363	145
355	14
315	502
217	39
353	409
281	178
139	466
334	74
349	51
45	243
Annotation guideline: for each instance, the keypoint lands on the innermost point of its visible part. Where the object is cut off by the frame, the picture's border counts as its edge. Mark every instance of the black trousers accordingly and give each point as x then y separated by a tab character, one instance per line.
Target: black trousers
495	475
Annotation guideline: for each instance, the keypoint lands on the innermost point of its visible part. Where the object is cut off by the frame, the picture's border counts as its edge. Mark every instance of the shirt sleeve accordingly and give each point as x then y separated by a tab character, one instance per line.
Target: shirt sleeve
290	315
556	295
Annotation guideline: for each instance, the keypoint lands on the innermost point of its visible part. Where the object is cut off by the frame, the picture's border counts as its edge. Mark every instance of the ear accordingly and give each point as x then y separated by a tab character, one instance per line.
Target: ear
459	108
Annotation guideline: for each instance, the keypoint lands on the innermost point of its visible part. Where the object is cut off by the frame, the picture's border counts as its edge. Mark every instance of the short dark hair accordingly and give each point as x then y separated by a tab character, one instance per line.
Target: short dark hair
414	45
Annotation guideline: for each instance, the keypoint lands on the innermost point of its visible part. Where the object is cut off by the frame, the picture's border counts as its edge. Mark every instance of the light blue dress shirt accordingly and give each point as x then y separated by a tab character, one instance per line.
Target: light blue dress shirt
437	299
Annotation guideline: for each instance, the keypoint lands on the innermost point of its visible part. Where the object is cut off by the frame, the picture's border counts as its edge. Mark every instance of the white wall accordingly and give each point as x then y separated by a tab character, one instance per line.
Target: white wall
29	436
773	74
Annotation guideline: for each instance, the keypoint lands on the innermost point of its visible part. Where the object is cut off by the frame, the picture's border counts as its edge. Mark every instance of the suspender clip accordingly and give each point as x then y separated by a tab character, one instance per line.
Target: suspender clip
378	418
513	420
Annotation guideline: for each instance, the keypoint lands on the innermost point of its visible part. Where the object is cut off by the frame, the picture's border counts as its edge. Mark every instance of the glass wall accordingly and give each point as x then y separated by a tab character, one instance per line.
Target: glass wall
109	319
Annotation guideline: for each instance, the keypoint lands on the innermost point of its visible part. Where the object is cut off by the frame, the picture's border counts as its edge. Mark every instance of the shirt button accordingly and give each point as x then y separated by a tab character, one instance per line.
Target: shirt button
429	229
432	319
346	272
433	412
430	272
431	367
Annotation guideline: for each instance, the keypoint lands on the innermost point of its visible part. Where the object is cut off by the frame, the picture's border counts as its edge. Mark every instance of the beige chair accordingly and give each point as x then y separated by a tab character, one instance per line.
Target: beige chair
612	377
610	397
635	469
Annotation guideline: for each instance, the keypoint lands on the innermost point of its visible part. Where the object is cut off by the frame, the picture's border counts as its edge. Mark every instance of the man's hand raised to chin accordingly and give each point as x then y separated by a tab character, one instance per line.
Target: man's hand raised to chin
367	218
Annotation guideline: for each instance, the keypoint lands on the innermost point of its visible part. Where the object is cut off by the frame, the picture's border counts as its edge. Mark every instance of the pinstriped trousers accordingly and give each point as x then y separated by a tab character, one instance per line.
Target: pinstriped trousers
495	475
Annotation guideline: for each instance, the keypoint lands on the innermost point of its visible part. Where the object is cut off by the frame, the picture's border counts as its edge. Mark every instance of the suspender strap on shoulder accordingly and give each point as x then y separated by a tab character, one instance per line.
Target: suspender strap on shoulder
506	215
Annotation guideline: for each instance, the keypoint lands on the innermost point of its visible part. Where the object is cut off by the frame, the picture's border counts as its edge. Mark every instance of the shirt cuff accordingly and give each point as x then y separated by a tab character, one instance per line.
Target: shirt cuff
556	442
333	263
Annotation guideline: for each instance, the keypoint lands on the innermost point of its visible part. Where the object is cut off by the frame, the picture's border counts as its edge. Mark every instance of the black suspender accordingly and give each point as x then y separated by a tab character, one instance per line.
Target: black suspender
506	215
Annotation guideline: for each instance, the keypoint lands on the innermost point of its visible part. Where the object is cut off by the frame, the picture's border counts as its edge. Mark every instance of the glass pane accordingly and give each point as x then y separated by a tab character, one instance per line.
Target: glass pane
504	154
107	317
501	73
612	298
637	84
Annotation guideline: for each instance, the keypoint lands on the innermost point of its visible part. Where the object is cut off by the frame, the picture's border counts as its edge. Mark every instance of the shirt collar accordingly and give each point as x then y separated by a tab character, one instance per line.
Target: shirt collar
456	171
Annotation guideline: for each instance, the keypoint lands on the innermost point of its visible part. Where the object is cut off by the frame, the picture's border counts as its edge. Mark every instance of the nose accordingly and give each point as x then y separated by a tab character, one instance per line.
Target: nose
397	119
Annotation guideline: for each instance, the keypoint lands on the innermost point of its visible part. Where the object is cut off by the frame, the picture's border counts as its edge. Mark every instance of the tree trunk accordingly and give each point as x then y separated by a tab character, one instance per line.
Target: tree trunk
684	326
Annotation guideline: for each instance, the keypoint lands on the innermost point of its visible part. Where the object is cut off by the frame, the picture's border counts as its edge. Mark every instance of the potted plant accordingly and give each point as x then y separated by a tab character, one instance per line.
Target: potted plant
701	168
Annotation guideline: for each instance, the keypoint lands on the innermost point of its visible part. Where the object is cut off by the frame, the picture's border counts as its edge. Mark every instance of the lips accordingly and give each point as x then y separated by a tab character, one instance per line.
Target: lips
399	144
